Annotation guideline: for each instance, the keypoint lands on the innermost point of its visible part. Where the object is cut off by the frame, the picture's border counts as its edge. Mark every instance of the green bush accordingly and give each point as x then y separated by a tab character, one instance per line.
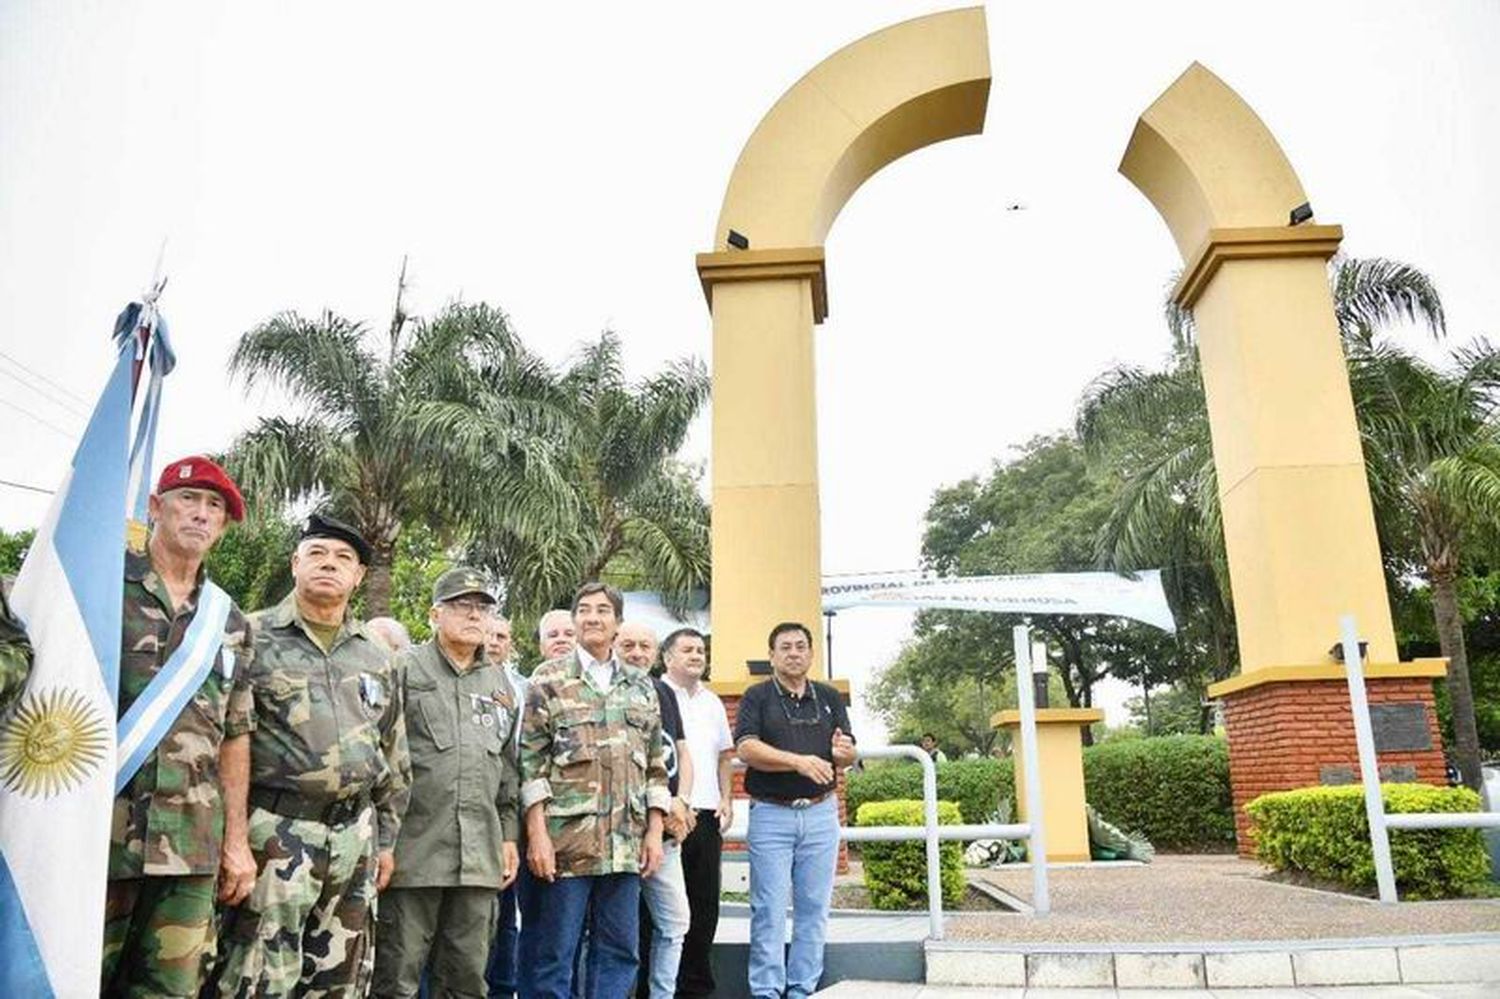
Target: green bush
976	786
1173	789
1322	831
896	873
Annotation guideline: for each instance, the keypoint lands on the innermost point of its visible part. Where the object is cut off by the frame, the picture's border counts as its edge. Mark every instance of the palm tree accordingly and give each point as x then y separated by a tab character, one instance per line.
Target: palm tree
1432	453
455	425
1152	427
641	519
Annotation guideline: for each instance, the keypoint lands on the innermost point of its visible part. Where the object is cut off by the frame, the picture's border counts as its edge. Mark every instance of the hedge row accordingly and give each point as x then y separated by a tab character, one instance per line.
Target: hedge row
1174	790
1323	832
896	873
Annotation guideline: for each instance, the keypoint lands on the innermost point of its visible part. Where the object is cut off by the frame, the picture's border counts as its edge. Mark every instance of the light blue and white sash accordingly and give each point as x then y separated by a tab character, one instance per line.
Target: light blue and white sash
154	712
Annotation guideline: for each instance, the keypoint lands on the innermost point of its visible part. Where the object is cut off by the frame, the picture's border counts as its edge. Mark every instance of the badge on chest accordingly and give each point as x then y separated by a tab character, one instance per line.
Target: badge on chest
372	691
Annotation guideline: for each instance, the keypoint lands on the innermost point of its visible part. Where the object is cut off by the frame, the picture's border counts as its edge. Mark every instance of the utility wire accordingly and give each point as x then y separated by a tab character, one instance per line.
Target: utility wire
30	371
70	435
28	488
56	401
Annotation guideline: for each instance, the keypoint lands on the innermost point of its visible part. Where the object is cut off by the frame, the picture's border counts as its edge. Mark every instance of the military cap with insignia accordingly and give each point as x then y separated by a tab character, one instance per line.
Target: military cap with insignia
461	582
321	525
198	472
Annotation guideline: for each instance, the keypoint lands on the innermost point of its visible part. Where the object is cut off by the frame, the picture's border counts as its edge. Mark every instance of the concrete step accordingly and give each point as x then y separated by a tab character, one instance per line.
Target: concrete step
1468	959
892	990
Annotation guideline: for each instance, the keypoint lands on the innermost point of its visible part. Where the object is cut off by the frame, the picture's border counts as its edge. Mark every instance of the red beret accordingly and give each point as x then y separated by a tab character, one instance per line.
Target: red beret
197	472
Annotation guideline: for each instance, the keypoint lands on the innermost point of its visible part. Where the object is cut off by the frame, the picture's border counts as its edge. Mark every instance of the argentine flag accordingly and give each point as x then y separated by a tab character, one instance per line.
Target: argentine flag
57	744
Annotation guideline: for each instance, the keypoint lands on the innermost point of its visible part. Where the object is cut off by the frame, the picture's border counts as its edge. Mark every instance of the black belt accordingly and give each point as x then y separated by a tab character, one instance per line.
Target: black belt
794	802
294	806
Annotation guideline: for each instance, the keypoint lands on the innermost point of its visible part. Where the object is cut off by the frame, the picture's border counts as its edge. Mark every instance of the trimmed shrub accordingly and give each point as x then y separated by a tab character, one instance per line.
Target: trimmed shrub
896	873
976	786
1323	832
1172	789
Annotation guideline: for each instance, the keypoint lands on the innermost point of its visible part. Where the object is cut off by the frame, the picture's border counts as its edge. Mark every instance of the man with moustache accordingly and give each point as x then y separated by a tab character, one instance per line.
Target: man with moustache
167	836
594	790
664	901
457	846
710	747
792	733
322	746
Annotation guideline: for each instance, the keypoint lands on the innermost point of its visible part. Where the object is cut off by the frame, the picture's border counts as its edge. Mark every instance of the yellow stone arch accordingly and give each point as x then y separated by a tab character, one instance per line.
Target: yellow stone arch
868	104
1298	523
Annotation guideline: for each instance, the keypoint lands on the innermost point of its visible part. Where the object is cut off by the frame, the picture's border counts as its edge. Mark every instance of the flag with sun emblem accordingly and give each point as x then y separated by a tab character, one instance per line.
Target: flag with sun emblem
57	742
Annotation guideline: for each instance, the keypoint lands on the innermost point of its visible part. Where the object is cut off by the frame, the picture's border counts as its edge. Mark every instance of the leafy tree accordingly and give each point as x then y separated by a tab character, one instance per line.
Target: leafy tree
253	560
452	426
13	549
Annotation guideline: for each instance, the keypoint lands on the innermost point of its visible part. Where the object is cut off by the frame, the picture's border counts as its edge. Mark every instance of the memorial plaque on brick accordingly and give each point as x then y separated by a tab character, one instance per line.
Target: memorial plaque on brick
1400	728
1398	773
1332	776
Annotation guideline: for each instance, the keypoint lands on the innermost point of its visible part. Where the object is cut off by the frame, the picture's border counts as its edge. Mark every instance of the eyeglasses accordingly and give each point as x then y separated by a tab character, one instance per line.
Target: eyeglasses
481	607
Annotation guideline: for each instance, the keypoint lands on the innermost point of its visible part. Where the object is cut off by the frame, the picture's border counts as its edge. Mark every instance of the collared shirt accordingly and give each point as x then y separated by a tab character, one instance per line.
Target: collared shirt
169	820
460	729
601	670
325	726
802	725
593	754
705	726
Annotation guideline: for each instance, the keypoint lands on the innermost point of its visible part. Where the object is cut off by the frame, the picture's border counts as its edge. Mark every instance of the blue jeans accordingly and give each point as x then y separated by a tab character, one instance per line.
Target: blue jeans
665	895
793	854
610	903
500	973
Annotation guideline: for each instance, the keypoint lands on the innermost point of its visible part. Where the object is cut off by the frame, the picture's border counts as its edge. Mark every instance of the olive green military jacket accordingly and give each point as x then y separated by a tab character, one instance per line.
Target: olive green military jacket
169	820
596	759
461	728
326	727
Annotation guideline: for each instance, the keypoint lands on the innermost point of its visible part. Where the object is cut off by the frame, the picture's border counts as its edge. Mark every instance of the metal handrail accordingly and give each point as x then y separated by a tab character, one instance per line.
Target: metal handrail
1381	823
931	833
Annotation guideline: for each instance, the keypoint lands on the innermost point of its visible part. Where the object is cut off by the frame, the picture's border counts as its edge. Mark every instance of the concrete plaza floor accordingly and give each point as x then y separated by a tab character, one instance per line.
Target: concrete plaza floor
1203	898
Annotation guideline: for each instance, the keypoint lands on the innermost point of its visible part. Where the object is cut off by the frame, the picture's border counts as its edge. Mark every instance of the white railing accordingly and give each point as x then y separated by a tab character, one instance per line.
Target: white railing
1380	822
1030	784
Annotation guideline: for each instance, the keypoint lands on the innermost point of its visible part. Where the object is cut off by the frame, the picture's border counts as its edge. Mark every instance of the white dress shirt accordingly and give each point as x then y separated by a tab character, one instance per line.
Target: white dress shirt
705	726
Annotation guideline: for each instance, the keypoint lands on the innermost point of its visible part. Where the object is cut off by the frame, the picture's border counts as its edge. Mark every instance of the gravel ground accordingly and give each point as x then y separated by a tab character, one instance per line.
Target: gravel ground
1209	898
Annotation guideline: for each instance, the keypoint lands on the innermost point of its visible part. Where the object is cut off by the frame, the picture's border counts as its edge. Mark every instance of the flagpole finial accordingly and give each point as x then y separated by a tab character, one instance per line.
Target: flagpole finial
158	281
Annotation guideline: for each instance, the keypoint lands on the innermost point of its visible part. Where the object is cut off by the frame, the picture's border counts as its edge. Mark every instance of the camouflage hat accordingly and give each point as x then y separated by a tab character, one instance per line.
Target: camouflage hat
461	582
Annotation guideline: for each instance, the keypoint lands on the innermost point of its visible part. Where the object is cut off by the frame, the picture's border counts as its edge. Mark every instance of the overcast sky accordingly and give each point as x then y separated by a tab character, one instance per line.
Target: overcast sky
565	162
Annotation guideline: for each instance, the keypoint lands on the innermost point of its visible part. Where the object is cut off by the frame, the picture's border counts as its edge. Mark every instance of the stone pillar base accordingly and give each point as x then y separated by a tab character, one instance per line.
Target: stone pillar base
1292	727
730	693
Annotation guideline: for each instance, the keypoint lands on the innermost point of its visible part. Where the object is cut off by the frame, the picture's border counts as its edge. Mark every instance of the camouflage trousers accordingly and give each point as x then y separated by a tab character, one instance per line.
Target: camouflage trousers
307	927
158	935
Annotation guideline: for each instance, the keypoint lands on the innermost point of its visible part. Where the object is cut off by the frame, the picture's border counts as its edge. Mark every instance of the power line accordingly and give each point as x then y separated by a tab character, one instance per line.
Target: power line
46	423
63	403
63	389
28	488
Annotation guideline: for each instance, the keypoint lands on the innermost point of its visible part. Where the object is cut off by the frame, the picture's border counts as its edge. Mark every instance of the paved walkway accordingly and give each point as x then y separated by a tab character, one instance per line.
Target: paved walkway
890	990
1203	898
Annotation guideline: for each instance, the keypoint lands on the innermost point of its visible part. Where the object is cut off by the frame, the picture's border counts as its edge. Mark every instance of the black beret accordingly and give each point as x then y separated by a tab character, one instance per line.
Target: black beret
321	525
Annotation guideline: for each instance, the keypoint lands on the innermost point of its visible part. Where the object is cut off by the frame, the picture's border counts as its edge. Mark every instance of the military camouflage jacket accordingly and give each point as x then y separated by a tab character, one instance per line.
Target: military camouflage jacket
595	757
461	727
15	654
169	820
325	726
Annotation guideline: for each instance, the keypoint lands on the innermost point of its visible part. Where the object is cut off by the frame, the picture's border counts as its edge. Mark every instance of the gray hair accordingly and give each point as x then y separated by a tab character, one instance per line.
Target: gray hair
390	631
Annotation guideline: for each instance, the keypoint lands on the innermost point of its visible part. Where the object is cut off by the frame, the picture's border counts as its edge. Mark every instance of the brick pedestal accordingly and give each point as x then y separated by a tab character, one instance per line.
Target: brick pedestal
742	800
1300	733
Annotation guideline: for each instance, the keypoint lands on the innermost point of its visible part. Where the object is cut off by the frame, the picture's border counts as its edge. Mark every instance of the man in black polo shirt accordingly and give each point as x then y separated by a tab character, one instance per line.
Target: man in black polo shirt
793	735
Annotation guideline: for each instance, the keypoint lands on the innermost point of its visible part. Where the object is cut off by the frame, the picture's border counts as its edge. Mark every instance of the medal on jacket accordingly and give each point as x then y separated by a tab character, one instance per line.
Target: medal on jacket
371	691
